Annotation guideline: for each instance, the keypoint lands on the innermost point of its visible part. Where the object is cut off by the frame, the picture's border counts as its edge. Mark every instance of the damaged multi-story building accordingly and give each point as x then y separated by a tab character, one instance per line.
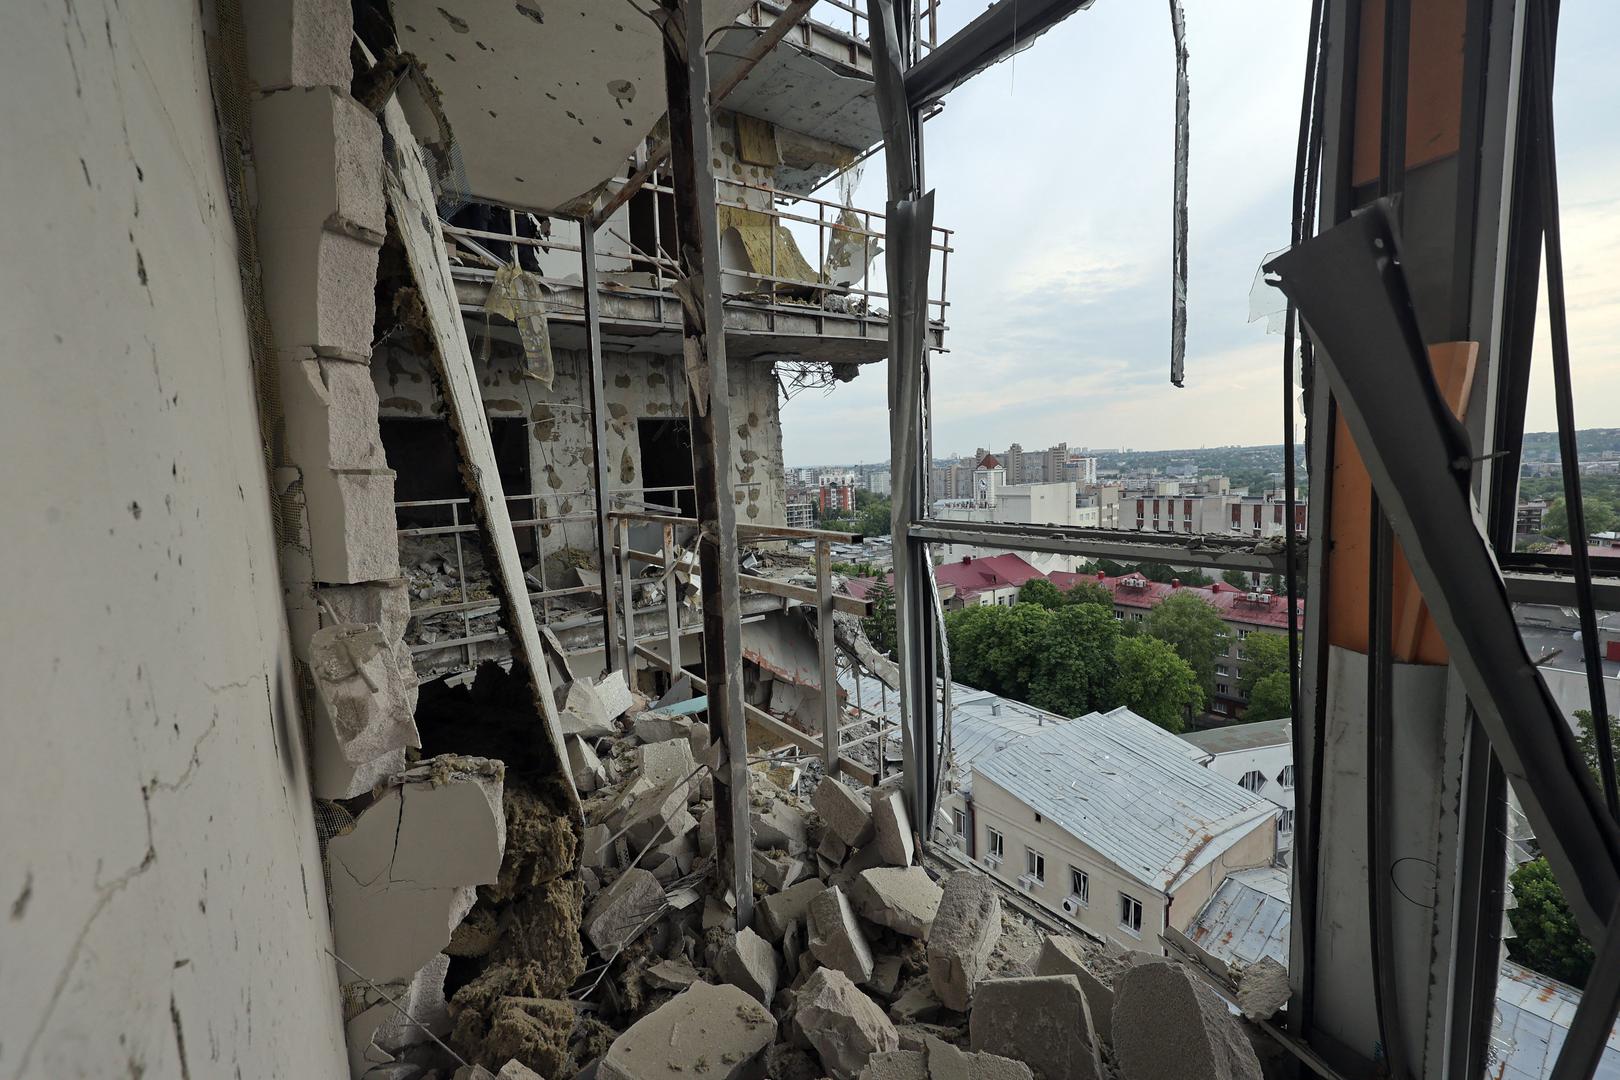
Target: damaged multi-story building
411	668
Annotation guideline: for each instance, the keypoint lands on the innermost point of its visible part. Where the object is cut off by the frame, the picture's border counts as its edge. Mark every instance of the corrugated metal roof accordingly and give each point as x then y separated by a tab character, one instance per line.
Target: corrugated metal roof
1533	1017
1234	737
1126	788
1247	918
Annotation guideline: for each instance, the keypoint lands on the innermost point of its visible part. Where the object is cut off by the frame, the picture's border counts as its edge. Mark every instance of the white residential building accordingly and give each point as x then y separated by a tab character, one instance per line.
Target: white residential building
1023	504
1258	757
1104	819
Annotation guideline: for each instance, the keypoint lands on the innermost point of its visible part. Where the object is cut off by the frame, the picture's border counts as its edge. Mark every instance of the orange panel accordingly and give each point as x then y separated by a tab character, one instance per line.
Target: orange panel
1434	85
1413	635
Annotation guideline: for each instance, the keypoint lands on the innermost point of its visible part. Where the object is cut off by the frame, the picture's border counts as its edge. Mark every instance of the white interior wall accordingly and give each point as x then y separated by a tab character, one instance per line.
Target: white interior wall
161	875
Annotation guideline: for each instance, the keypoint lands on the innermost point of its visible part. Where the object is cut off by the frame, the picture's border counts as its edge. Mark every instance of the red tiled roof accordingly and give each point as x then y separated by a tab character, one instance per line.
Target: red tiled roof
972	576
989	462
1234	605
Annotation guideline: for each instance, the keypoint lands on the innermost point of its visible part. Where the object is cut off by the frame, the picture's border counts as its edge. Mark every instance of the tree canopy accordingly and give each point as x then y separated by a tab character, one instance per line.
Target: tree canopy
1269	699
1042	592
1238	579
1194	629
1263	655
1600	517
1546	936
1155	683
879	626
1070	660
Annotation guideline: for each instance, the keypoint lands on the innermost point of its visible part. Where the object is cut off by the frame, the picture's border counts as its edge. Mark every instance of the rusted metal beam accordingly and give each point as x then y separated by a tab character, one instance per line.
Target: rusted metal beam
756	52
686	79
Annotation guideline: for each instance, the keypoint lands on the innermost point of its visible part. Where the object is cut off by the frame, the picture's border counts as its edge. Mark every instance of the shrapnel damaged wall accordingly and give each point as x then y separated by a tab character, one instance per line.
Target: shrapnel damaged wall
163	909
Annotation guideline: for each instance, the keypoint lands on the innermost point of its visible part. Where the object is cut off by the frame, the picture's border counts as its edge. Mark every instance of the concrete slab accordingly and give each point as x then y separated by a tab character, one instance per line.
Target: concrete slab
1042	1021
903	899
749	963
1167	1023
892	826
965	931
836	937
844	812
843	1025
716	1032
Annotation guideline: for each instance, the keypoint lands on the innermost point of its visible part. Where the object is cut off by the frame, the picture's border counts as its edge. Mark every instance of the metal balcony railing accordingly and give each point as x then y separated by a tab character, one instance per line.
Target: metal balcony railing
779	231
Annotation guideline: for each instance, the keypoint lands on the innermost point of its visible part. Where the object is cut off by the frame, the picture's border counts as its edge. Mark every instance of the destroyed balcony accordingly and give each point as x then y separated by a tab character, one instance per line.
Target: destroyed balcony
779	305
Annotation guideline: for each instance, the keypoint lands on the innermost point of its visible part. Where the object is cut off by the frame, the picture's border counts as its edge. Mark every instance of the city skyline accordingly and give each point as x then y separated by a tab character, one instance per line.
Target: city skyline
1060	282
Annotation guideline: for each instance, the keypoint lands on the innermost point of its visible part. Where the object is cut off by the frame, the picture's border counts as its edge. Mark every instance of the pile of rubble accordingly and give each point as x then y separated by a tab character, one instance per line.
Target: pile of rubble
859	962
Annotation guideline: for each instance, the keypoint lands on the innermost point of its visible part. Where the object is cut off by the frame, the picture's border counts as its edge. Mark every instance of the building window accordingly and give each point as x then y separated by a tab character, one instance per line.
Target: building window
1035	864
997	845
1254	780
1137	615
1286	777
959	817
1130	915
1079	886
1285	823
1243	634
1222	669
1220	688
1120	615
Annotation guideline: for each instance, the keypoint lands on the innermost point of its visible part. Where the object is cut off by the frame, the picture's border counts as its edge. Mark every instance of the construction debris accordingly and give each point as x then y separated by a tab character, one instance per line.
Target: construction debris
905	900
708	1031
966	928
843	1025
1042	1021
893	828
1167	1023
844	812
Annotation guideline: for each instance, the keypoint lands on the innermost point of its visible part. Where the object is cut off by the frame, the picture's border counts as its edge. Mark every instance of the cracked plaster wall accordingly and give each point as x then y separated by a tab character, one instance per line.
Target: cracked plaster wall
163	911
560	456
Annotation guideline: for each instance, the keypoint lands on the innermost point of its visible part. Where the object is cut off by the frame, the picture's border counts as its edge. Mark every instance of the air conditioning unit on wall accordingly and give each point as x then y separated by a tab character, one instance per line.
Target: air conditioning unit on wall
1070	905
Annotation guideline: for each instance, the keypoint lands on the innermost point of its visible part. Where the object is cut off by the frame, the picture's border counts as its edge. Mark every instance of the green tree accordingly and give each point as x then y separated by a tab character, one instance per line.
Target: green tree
1152	681
879	626
1076	662
1194	629
1586	740
1042	592
1089	592
1546	936
998	649
1238	579
1269	698
872	519
1274	584
1600	517
1263	655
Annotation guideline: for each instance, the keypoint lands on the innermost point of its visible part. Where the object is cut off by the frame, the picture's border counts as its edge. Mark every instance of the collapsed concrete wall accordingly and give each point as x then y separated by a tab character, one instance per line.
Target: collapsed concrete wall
162	882
640	386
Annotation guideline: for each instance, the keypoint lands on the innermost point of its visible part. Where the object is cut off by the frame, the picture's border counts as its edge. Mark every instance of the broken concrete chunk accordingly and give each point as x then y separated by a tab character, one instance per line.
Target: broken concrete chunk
949	1062
1166	1023
673	974
792	948
905	900
614	694
832	848
749	963
885	975
1094	969
654	726
401	878
777	871
843	1025
365	698
896	1065
843	812
298	43
622	908
714	1032
583	763
916	1004
582	712
892	826
596	847
1042	1021
667	762
779	826
836	938
779	909
1262	989
516	1070
966	928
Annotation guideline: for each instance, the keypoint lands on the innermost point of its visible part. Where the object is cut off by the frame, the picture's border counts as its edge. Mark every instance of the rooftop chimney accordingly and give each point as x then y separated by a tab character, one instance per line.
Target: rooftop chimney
1175	583
1215	587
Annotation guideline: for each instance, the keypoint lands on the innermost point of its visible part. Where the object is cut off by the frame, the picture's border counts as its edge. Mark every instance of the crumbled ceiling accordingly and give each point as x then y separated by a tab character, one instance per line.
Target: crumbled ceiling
546	98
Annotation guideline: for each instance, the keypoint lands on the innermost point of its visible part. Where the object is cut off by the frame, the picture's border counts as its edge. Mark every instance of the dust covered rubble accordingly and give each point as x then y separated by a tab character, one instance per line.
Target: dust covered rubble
853	962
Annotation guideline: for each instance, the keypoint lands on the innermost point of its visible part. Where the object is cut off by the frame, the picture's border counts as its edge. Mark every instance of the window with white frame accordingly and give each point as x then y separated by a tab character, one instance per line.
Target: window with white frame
1079	886
1035	864
1286	777
1137	615
959	818
1242	634
1254	780
1221	688
997	844
1222	669
1285	822
1130	914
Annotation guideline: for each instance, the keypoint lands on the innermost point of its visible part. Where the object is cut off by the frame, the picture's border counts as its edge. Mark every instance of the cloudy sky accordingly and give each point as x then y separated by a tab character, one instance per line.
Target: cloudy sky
1055	171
